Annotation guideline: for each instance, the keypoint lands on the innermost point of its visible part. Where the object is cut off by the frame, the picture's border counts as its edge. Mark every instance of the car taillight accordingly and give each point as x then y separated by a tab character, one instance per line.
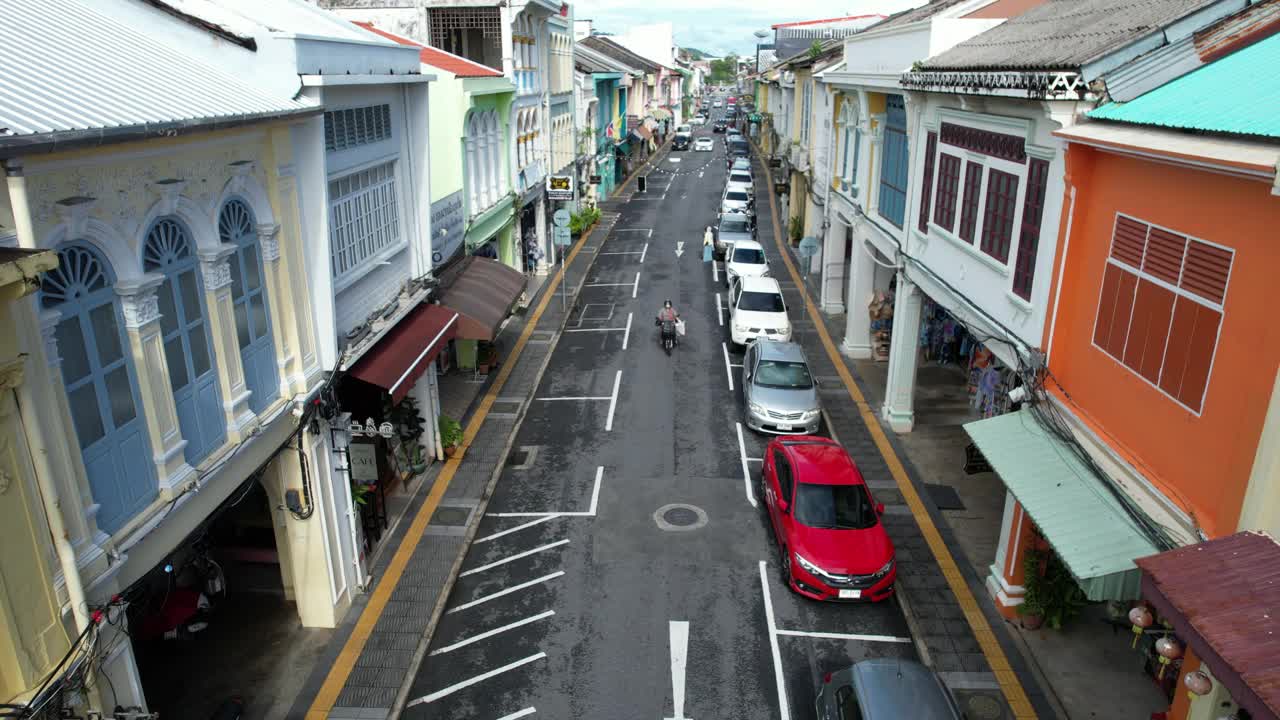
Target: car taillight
826	679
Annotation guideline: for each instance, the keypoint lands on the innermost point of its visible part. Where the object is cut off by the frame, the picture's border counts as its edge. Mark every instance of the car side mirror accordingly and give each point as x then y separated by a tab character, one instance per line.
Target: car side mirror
784	507
879	508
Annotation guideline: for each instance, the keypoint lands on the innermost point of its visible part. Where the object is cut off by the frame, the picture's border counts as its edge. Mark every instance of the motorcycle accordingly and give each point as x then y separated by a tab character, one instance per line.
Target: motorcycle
668	334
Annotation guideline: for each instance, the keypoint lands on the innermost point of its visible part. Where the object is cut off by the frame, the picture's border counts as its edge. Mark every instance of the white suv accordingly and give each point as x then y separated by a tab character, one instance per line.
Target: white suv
744	258
757	310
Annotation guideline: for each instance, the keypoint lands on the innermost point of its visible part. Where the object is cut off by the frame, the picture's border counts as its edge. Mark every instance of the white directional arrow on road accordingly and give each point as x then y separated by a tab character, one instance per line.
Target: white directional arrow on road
679	249
679	659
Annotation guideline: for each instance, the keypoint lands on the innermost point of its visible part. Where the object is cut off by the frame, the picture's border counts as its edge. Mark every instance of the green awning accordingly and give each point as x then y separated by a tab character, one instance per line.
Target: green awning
1085	524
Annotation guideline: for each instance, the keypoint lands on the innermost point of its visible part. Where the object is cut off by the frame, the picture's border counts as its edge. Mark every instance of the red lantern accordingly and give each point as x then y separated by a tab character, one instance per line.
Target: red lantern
1141	618
1198	682
1169	650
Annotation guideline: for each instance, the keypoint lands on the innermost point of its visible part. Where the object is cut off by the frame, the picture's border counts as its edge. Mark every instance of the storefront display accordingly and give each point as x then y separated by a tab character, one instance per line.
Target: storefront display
946	341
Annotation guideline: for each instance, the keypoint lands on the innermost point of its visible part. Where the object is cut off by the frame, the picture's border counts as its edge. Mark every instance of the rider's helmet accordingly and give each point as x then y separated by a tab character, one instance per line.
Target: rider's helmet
666	303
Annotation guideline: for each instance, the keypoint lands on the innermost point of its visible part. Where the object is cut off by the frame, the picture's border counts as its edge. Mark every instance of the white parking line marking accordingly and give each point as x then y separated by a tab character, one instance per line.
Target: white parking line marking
618	229
735	364
644	252
517	528
612	284
719	313
621	252
728	369
715	271
746	474
595	330
636	288
477	679
754	459
650	235
613	401
519	714
679	630
491	633
595	501
783	707
513	558
505	591
627	336
844	636
578	397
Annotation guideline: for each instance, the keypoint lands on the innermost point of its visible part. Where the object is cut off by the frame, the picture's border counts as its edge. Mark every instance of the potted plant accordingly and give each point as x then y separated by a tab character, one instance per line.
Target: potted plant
450	434
418	459
796	230
1051	592
360	493
1030	613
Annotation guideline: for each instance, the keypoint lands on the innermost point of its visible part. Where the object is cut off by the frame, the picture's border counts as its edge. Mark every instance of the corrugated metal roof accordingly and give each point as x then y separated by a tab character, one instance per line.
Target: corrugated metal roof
65	67
1083	522
1223	598
1245	88
924	12
1063	34
615	50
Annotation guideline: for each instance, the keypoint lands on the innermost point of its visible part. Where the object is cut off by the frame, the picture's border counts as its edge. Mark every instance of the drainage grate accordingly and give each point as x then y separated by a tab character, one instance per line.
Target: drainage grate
522	458
505	409
451	516
944	496
981	704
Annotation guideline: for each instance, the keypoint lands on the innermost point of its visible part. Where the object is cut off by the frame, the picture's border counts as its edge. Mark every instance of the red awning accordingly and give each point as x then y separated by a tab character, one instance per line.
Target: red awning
402	355
482	292
1223	599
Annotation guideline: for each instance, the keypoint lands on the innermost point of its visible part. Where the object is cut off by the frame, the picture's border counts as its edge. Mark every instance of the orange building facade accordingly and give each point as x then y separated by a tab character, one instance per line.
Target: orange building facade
1165	339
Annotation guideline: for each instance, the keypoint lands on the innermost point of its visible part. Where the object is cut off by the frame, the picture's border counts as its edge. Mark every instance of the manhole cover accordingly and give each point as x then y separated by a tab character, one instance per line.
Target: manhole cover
456	516
679	517
983	707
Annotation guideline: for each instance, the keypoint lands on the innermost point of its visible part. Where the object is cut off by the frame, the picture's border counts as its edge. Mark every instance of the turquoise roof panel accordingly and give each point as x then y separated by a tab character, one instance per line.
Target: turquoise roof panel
1238	94
1084	523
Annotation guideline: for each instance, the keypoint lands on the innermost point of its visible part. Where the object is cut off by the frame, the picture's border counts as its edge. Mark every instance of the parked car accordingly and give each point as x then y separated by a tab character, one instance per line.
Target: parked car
757	310
741	179
778	390
704	144
827	524
681	142
737	200
744	258
719	126
698	120
738	147
884	688
717	104
741	164
731	228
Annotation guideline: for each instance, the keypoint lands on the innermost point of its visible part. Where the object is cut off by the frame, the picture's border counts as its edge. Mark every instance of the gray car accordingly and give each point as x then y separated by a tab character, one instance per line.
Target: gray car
885	689
780	394
737	199
731	228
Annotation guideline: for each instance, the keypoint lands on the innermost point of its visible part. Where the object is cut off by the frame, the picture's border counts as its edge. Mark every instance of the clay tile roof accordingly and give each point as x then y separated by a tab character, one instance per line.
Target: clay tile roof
446	61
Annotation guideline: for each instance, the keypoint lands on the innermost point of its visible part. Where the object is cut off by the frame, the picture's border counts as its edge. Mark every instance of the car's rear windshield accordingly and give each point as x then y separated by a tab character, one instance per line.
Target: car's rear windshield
761	302
783	374
734	225
749	256
738	195
740	177
835	507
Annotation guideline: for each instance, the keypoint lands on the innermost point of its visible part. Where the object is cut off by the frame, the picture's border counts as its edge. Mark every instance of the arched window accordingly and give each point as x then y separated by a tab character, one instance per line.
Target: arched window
496	149
187	343
236	226
473	155
850	140
102	389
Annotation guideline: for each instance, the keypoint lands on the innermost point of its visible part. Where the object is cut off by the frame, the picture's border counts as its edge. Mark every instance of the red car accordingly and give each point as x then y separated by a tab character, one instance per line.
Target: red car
826	521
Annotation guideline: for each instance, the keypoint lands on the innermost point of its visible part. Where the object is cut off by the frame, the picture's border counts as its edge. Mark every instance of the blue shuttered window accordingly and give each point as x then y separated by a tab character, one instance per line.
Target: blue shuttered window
102	389
253	328
893	162
187	344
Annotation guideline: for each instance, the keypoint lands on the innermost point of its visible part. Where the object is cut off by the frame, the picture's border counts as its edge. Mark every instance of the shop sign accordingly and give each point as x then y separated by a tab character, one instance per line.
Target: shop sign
559	187
596	179
447	223
364	462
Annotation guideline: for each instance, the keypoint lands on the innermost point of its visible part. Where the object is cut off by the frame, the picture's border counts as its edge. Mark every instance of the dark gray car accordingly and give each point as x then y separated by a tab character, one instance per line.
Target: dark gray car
885	689
732	227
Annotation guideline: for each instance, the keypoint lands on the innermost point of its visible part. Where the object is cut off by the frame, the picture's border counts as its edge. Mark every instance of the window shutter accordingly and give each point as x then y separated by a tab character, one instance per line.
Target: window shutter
926	187
997	218
1206	271
1115	308
948	180
1192	338
1024	271
972	189
1163	258
1149	329
1129	241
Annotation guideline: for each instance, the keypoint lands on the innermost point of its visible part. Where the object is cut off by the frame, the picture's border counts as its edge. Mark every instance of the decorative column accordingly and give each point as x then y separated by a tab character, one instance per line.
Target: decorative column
834	265
215	267
283	330
876	141
862	281
141	310
296	287
899	397
542	235
1005	575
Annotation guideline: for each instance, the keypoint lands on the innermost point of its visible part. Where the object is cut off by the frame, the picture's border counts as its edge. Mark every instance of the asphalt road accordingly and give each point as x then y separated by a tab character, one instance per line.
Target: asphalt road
571	615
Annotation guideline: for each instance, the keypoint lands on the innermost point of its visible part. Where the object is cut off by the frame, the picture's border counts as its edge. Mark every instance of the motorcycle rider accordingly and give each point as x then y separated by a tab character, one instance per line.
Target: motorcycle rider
666	315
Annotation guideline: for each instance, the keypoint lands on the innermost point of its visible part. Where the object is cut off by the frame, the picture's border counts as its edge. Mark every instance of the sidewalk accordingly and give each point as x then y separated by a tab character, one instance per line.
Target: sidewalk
1092	666
371	656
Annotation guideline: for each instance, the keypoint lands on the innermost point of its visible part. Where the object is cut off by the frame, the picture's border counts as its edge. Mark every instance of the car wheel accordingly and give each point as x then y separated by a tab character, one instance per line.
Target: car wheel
786	564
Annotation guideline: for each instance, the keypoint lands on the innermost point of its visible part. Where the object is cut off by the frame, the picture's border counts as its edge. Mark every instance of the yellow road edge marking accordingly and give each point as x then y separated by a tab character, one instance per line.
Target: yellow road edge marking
1014	694
350	653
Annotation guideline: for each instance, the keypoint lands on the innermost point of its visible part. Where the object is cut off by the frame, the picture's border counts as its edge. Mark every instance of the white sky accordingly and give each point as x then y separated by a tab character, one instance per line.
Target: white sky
723	26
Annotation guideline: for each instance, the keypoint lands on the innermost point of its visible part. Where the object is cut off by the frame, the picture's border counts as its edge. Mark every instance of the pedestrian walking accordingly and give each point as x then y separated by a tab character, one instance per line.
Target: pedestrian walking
708	244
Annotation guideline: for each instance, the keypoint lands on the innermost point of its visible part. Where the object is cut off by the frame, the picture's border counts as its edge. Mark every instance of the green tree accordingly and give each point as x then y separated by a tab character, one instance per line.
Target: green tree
724	70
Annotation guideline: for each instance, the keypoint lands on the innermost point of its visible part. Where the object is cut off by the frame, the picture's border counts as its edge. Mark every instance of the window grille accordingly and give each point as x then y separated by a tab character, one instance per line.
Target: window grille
354	127
363	217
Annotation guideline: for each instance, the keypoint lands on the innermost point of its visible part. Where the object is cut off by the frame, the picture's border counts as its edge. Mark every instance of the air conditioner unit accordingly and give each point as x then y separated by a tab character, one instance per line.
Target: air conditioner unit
799	157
